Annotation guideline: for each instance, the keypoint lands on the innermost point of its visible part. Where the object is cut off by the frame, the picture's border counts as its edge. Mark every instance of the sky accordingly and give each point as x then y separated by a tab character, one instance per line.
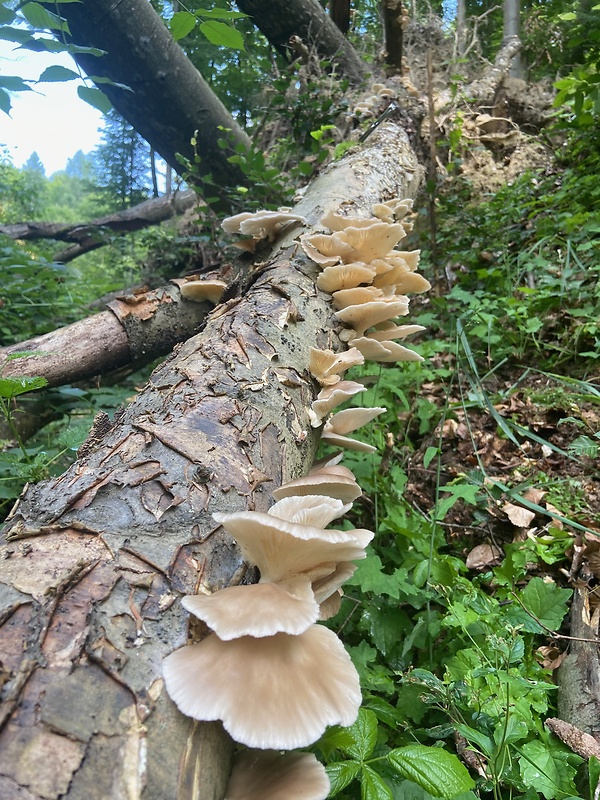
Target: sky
51	120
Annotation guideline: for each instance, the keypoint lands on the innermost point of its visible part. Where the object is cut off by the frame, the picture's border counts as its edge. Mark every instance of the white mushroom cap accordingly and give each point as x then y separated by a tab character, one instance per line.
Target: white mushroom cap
261	609
345	489
267	775
354	297
403	280
280	549
314	510
345	276
370	242
327	367
260	224
277	692
338	222
330	606
325	250
331	397
199	291
328	585
386	331
410	257
344	422
384	351
365	315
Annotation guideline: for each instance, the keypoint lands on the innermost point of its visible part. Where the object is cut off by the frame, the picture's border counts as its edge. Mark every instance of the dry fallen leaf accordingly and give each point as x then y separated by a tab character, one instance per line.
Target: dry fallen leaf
484	555
519	516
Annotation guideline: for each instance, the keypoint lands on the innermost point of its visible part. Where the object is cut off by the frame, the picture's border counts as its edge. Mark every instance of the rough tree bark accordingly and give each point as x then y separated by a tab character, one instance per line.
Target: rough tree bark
166	108
89	236
94	562
137	328
391	11
281	19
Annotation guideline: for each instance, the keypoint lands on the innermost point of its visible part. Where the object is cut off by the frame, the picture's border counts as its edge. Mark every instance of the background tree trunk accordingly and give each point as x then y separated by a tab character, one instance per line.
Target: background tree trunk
168	110
281	19
512	29
94	562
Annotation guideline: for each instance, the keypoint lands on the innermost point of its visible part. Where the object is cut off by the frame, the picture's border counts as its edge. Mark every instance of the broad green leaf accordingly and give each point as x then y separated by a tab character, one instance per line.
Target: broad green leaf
110	82
53	46
95	98
57	73
219	13
6	15
364	735
182	23
546	770
460	491
594	775
221	34
373	787
430	454
15	34
14	84
11	387
440	773
5	104
39	17
546	604
341	774
370	577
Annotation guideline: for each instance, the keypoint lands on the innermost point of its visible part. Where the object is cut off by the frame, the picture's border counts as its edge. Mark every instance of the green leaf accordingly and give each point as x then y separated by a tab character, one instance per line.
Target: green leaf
110	82
15	34
370	577
42	45
5	104
6	15
460	491
14	84
593	774
57	73
430	454
223	35
440	773
39	17
364	735
373	787
11	387
219	13
546	770
94	97
341	775
181	24
544	601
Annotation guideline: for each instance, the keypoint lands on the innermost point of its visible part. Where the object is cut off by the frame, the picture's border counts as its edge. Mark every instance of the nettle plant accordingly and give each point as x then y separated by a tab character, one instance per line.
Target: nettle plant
274	676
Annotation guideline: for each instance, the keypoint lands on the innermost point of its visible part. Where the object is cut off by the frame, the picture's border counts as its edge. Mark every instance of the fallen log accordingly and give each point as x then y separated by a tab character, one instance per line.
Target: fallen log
94	561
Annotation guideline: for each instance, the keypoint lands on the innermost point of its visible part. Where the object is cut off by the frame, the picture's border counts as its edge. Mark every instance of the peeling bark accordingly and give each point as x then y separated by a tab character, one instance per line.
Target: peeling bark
89	236
137	328
95	561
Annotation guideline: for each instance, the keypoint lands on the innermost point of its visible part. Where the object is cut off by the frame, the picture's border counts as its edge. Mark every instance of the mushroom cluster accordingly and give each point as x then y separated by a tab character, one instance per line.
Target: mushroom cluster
274	676
259	225
370	106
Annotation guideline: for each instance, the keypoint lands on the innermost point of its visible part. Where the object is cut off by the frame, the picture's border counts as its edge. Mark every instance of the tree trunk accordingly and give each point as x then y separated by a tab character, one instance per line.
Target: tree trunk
95	561
281	19
461	27
89	236
393	32
339	11
512	29
169	109
138	328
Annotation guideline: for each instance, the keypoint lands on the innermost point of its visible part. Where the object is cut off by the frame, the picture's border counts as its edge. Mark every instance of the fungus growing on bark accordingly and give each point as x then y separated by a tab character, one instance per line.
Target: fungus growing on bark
260	609
242	682
280	548
361	294
387	331
266	775
345	276
260	224
331	397
331	485
371	241
200	291
314	510
325	249
384	351
364	316
327	367
338	425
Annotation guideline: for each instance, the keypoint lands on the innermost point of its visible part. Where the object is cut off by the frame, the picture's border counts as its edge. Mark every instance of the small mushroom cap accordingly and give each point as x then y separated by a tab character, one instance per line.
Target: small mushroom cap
232	224
344	489
314	510
279	692
338	222
324	249
354	297
345	276
384	351
199	291
326	366
335	440
363	316
386	331
403	280
259	224
280	549
331	397
261	609
267	775
351	419
328	585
